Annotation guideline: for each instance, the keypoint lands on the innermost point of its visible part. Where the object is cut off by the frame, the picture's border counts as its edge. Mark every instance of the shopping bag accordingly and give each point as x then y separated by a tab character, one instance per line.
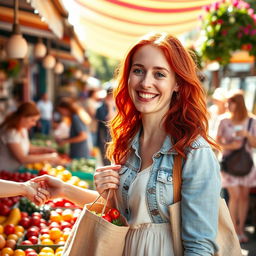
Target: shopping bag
94	236
227	239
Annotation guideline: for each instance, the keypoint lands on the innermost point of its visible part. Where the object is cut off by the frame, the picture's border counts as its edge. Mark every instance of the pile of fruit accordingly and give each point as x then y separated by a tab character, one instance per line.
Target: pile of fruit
82	165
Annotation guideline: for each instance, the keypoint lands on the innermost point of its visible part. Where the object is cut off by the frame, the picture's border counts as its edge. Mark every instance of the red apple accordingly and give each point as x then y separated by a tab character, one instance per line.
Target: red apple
9	229
65	224
32	254
33	239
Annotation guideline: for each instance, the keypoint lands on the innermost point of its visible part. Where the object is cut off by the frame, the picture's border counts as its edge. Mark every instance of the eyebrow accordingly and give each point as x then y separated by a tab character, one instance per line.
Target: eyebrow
156	67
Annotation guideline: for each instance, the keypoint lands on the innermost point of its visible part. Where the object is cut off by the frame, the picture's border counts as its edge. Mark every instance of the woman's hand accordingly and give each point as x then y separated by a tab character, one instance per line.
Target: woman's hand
35	192
234	145
106	178
54	186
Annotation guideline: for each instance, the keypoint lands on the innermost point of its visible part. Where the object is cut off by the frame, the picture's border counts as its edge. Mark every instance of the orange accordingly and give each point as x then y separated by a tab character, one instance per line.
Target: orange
66	175
60	241
65	235
45	236
19	252
18	233
13	236
58	253
59	249
47	241
7	250
19	229
47	249
67	215
1	229
55	233
55	216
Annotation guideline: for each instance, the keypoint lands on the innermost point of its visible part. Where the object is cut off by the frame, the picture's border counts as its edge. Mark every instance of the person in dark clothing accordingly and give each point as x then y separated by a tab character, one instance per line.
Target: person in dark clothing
104	114
78	137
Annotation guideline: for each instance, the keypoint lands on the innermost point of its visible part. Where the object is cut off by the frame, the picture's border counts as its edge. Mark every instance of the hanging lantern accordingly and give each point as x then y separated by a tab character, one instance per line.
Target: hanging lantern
16	46
49	62
59	68
40	49
78	74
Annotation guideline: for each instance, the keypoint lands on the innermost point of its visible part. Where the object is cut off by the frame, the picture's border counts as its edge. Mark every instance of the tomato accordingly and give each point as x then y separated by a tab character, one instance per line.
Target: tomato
33	239
24	214
26	242
38	214
9	229
25	222
35	221
114	214
4	209
32	232
107	218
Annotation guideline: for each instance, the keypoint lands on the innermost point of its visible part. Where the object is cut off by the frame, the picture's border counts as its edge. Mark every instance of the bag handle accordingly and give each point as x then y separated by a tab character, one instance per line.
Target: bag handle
248	129
176	177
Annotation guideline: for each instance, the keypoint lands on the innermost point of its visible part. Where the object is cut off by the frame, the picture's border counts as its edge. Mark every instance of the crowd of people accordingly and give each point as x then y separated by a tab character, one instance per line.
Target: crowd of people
157	111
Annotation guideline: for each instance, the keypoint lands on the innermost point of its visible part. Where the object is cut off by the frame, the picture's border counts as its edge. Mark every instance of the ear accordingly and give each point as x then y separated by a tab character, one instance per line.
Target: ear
176	87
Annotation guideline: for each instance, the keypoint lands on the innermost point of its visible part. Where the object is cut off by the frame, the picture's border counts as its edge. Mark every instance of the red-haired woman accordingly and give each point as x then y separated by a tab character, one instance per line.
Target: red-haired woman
161	112
231	133
15	148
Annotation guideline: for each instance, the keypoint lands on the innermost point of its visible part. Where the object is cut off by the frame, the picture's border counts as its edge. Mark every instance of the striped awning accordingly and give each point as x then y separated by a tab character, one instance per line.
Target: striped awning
109	27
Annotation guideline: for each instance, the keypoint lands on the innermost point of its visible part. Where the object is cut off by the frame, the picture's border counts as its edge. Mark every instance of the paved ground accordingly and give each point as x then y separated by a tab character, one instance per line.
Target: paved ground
249	249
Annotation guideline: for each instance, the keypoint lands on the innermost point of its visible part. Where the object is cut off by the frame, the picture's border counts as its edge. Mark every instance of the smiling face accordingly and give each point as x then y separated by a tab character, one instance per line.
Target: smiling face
151	81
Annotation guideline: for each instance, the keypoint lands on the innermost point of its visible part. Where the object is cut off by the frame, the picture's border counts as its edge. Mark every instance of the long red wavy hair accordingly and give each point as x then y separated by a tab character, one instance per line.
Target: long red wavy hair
187	115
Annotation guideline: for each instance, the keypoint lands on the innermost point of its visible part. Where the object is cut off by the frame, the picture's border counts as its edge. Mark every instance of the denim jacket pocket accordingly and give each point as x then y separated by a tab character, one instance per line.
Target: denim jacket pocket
165	186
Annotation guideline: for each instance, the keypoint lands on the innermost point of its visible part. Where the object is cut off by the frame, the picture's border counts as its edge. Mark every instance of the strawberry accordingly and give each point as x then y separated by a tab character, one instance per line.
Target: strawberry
114	213
107	217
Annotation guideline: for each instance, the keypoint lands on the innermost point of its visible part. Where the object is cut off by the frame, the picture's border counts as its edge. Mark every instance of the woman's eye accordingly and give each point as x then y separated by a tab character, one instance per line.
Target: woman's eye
159	75
137	71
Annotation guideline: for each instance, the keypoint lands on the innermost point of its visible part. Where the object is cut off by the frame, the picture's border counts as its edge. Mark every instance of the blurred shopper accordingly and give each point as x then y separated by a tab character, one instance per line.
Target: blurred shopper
79	132
91	104
216	110
231	133
103	115
45	107
15	148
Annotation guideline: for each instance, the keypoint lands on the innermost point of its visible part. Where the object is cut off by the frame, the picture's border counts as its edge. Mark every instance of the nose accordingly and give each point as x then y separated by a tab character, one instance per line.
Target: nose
146	80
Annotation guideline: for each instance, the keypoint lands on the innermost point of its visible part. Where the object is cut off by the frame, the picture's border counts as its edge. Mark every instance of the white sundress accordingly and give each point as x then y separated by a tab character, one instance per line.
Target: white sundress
145	238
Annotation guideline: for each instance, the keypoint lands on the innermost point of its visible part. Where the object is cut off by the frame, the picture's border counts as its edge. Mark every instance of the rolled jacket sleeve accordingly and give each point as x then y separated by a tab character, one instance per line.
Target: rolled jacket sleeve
200	202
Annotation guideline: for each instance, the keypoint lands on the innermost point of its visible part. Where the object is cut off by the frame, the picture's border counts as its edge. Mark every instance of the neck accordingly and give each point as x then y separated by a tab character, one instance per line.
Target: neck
152	129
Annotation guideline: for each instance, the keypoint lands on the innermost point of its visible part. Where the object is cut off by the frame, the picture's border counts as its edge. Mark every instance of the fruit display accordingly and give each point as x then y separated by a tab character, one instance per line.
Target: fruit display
83	165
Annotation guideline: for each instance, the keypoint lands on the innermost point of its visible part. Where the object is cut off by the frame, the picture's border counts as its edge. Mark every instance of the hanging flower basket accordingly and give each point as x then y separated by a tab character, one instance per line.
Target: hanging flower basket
228	26
11	67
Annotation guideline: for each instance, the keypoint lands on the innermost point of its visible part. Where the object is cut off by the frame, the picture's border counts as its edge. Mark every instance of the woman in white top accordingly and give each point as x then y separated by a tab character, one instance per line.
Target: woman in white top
15	148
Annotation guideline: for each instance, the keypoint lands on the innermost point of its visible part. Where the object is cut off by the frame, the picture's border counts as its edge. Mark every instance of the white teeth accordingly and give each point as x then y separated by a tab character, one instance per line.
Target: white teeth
146	96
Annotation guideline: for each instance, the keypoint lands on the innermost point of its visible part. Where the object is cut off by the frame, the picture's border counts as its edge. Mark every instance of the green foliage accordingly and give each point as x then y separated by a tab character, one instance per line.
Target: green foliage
227	27
104	67
11	67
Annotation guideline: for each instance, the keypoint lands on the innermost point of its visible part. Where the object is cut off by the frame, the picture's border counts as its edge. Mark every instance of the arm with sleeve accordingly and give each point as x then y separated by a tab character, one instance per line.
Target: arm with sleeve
201	187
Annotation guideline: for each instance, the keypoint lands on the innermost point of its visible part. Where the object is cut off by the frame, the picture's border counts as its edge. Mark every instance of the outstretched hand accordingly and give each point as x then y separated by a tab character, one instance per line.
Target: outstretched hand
54	186
32	192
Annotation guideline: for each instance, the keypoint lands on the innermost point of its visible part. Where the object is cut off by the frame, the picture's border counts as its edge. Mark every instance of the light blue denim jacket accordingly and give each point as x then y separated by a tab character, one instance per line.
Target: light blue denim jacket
200	192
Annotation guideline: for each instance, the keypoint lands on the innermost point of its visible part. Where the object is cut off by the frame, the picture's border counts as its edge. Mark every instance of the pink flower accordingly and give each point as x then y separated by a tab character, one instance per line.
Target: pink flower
253	32
250	11
207	8
240	34
220	21
216	6
235	3
246	31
